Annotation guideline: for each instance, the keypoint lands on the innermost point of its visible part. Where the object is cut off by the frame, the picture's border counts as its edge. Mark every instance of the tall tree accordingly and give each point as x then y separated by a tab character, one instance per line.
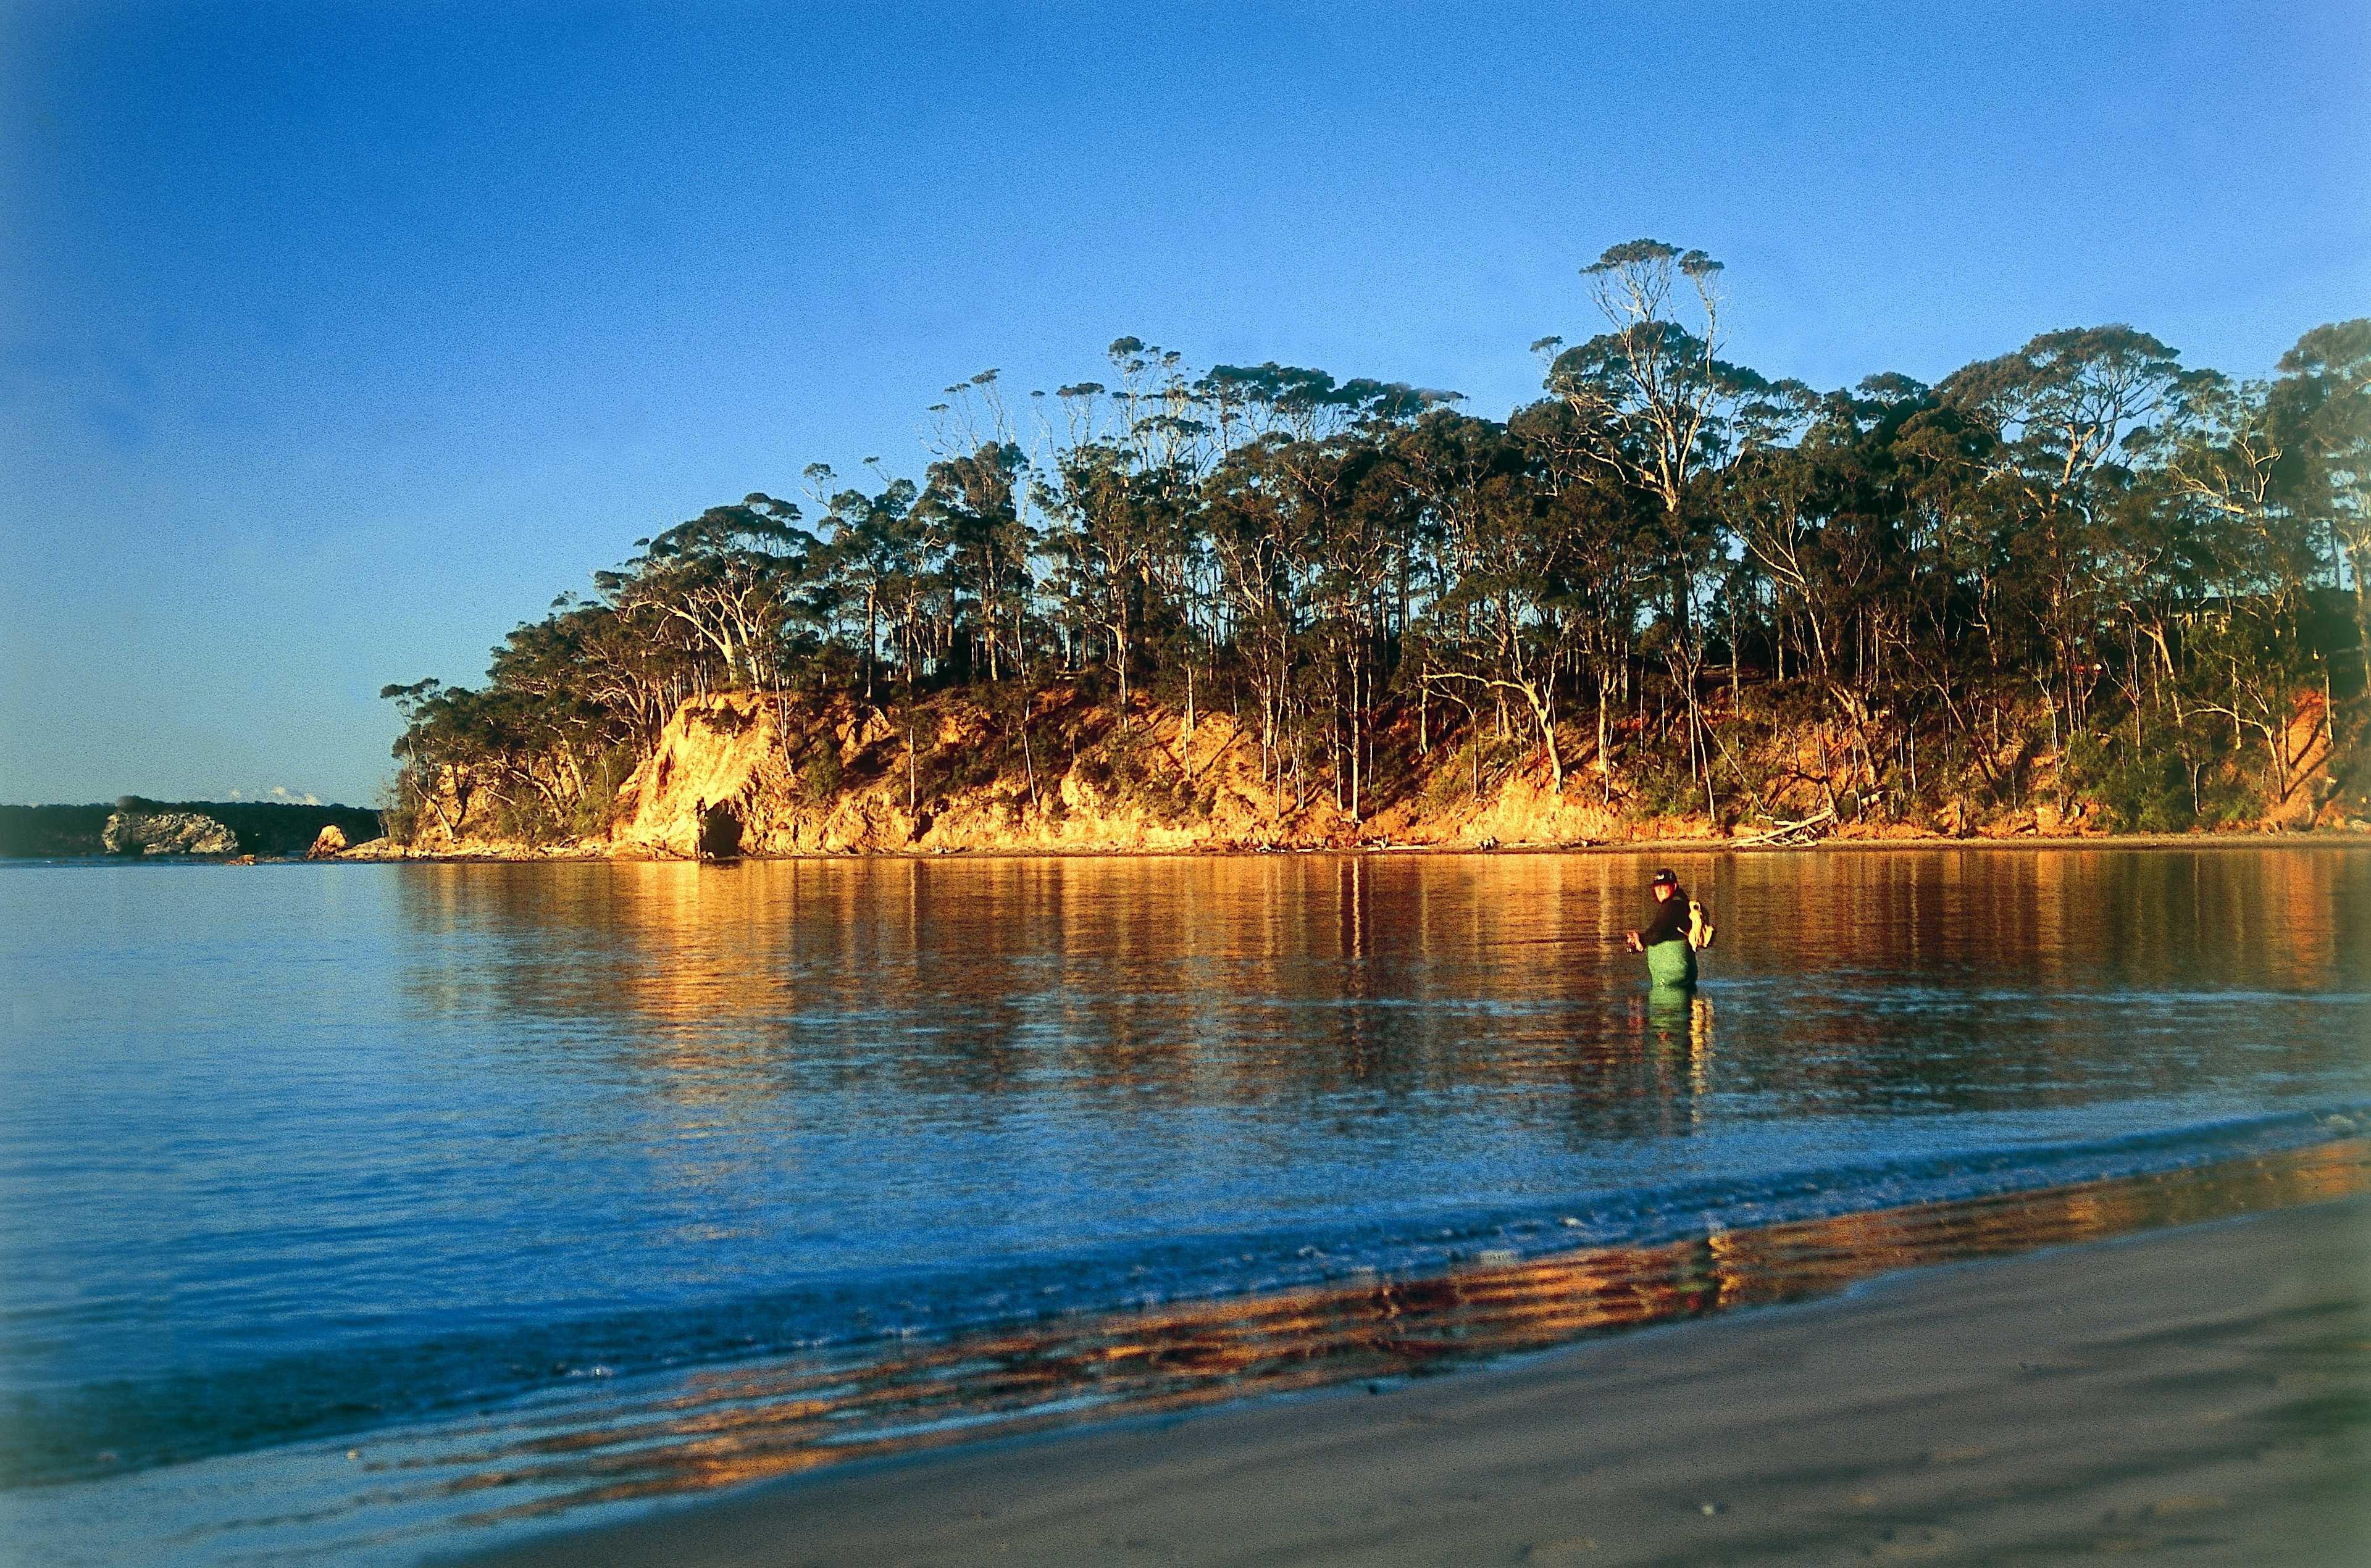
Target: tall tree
2321	412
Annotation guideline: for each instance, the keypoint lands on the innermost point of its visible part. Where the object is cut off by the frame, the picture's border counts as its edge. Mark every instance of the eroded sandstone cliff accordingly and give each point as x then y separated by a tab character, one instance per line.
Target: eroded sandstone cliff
839	779
771	776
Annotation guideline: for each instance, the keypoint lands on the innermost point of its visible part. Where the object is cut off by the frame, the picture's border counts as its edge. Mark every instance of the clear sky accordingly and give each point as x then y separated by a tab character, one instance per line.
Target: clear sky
335	340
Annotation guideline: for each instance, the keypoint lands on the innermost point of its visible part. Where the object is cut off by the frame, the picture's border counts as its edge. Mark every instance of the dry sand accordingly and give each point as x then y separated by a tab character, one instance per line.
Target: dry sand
2200	1395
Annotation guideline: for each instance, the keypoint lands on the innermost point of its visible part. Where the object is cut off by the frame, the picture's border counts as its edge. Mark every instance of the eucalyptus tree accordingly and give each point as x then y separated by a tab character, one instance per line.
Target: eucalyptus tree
1162	422
588	654
1515	555
571	722
1357	511
1103	527
724	576
2253	546
1251	525
979	497
1505	626
1960	652
1117	492
2203	519
873	551
436	750
1654	405
1652	401
2319	411
1911	565
1318	552
1827	524
1444	459
2064	407
461	745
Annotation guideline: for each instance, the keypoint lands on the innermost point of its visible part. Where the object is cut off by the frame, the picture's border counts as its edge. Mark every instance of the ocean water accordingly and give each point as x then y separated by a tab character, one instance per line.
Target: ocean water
365	1212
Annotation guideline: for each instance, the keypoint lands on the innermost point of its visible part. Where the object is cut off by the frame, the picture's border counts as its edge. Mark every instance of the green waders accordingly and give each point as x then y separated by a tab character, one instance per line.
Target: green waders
1672	963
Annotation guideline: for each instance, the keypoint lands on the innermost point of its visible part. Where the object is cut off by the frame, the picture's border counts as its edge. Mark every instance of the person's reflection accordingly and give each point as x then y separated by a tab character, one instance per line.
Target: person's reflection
1675	1027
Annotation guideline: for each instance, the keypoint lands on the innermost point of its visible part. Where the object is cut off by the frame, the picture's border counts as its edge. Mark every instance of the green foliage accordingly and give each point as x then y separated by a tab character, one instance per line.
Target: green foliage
2141	790
1450	784
399	811
2351	767
1132	772
2174	780
819	774
972	767
1657	782
592	811
527	821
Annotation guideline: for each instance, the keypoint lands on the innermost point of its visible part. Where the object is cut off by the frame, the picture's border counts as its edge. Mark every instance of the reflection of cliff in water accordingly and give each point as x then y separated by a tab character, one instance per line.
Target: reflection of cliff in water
782	1416
1924	979
1201	979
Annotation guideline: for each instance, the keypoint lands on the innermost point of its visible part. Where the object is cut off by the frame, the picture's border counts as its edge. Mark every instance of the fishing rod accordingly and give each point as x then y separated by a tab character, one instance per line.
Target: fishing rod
1543	941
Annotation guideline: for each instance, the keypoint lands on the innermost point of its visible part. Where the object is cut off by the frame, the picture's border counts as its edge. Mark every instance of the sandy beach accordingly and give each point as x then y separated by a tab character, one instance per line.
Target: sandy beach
2199	1395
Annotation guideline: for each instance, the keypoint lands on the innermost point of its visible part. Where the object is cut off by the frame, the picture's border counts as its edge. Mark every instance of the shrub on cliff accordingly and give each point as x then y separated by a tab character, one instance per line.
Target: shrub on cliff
819	774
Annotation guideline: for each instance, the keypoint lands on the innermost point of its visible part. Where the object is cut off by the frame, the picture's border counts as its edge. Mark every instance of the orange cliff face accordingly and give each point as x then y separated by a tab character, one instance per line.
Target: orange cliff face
799	774
723	752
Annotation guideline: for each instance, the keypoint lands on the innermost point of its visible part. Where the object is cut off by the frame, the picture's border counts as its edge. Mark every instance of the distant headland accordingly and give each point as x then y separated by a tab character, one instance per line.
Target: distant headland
136	826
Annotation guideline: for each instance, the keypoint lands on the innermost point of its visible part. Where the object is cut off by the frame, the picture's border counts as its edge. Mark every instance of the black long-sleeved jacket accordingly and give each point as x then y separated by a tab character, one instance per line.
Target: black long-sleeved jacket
1670	921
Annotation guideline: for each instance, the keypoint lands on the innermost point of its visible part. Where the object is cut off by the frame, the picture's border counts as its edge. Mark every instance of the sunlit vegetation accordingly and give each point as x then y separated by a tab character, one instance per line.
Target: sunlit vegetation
2080	572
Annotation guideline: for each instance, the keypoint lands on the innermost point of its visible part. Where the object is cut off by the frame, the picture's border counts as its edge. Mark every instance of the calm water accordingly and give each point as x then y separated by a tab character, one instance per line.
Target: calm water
502	1180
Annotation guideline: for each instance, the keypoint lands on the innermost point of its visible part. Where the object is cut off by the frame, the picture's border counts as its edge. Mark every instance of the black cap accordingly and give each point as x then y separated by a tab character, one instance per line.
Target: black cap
1667	878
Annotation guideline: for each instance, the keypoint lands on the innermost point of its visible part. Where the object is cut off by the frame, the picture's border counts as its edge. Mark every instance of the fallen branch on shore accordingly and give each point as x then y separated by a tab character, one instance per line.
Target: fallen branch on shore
1808	830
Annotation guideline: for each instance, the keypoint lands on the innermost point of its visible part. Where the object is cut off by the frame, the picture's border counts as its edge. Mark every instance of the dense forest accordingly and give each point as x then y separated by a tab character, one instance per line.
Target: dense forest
2080	569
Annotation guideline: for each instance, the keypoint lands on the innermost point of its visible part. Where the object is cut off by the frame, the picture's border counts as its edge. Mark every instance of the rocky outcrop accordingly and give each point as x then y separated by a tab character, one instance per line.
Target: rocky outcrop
167	833
330	841
716	759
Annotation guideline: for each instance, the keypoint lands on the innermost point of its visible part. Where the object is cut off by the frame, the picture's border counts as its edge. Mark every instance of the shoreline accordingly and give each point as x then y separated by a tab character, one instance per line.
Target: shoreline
2202	1393
638	855
500	852
2249	839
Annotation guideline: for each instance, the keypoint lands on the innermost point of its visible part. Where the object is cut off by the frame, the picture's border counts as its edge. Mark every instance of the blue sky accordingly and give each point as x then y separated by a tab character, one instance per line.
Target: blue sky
335	340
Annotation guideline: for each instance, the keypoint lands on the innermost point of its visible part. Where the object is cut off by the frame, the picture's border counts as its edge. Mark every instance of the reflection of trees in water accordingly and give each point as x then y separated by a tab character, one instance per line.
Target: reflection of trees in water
1939	978
1936	980
2127	918
779	1417
1124	974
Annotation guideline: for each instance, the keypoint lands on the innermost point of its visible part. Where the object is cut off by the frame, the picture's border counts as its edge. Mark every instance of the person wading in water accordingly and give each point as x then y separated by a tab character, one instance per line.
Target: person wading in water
1680	927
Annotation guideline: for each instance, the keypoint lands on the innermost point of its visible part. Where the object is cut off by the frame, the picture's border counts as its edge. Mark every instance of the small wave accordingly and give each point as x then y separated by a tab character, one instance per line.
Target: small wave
586	1456
113	1427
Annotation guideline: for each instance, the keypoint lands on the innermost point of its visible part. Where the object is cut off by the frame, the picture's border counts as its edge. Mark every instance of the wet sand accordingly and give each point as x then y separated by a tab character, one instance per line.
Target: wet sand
2200	1395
